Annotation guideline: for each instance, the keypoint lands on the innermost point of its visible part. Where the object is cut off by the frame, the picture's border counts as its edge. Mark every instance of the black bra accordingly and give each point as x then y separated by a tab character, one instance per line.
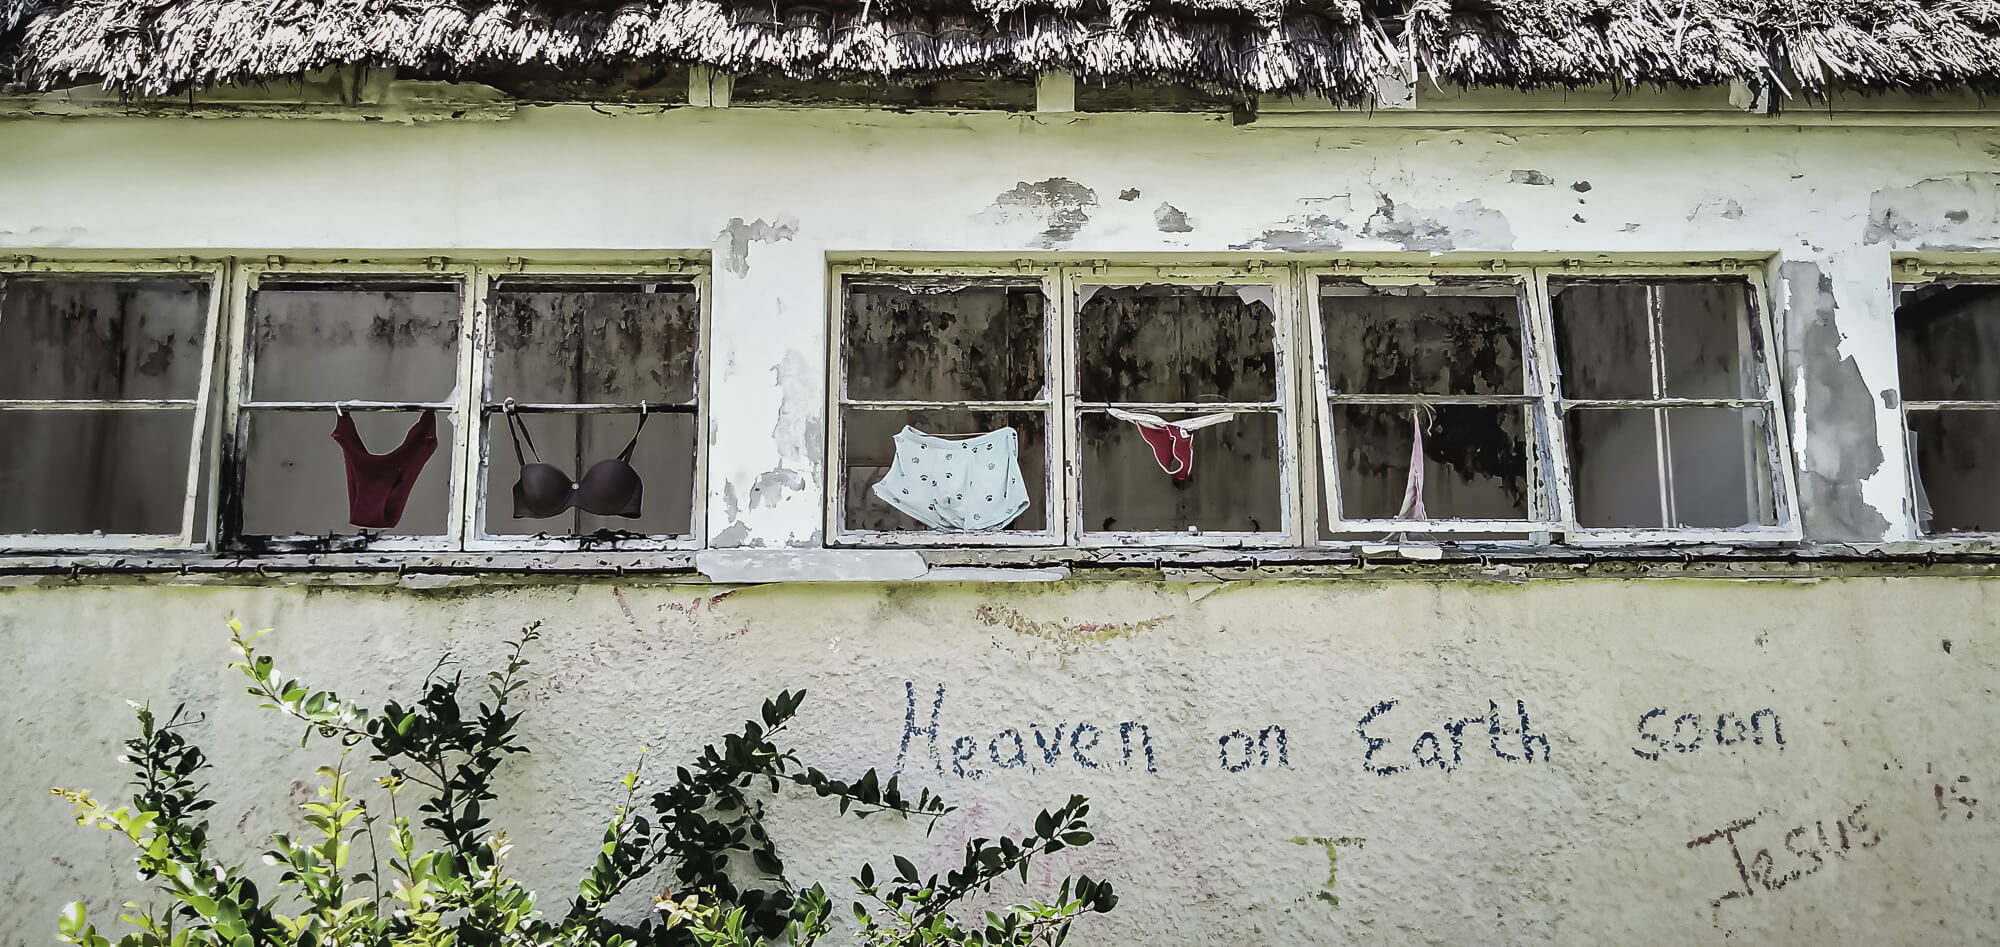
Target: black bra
609	488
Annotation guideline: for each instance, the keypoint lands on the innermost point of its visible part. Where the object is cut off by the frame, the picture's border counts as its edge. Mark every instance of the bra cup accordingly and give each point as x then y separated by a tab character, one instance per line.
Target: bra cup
542	491
610	488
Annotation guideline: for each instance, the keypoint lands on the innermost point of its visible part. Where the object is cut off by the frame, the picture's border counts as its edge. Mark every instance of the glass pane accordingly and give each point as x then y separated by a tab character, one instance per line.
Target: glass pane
94	471
945	342
354	342
574	443
1958	460
1475	461
102	339
871	449
1605	331
1459	339
595	344
296	482
1159	344
1948	342
1234	483
1717	475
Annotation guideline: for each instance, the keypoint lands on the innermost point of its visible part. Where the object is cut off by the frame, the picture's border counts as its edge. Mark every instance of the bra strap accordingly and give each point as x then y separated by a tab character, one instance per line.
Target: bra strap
626	454
518	429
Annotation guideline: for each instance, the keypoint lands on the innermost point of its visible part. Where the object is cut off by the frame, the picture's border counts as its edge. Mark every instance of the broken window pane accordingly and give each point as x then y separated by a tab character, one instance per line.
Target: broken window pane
1716	473
295	481
1234	483
102	339
1453	339
365	341
1167	344
610	343
1956	454
945	342
968	492
1631	340
1948	341
82	472
1475	461
606	343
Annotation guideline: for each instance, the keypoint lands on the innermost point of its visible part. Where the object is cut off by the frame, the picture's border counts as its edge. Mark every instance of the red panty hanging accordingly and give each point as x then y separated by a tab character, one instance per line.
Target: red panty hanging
1172	441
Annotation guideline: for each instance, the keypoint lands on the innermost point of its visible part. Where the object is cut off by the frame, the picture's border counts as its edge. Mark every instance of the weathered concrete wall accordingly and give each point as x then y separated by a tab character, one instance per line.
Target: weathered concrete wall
772	194
1586	774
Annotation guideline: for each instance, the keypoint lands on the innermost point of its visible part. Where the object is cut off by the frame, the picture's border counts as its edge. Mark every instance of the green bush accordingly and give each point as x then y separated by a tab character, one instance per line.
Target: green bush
442	880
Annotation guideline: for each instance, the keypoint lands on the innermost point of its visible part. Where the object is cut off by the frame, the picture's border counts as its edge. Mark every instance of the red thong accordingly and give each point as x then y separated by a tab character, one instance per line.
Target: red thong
379	484
1173	449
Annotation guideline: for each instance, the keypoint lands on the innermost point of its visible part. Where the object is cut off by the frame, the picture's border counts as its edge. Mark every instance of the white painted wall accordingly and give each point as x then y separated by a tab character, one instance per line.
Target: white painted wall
1590	846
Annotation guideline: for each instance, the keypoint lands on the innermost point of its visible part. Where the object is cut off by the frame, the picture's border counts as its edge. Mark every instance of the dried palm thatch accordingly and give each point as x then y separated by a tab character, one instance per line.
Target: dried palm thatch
1325	47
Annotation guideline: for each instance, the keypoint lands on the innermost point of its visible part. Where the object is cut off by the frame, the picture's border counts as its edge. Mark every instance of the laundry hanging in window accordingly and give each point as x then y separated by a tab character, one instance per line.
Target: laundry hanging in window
962	482
1172	441
610	487
378	485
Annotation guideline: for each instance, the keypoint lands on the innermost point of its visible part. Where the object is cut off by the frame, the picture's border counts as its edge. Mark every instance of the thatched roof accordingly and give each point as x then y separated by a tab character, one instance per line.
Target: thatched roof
1330	47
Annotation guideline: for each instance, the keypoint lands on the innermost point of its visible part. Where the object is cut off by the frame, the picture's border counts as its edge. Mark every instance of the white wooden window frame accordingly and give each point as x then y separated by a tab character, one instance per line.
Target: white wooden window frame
1778	466
193	533
1543	510
1284	307
1057	513
478	444
1919	272
239	405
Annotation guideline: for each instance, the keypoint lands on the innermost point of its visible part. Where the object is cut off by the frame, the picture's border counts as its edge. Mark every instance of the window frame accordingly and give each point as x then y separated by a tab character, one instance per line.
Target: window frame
1550	462
478	445
196	531
1912	271
234	467
1055	514
1284	309
1545	517
1778	453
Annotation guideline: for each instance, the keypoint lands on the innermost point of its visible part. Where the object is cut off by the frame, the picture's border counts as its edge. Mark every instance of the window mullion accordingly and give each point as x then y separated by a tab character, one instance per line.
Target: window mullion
1552	445
468	472
204	395
1065	482
233	459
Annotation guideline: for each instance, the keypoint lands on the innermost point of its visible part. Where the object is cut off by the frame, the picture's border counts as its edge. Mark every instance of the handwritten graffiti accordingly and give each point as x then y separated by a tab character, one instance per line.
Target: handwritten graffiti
1689	732
1332	846
1428	750
1803	850
1258	750
1035	748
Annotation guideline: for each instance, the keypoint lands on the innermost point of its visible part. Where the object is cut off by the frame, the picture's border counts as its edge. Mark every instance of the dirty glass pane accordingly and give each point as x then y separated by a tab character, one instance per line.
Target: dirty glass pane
1235	485
1459	339
1611	334
102	339
1475	460
354	341
94	471
664	458
1717	474
1958	462
1948	342
295	477
945	342
1155	344
595	344
871	452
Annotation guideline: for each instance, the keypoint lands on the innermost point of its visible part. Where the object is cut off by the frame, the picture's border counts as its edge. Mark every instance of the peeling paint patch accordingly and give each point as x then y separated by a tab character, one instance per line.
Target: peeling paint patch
732	537
1629	228
1067	637
734	240
1580	187
799	434
1171	219
1470	224
1945	213
771	486
1299	234
1060	205
1530	178
1725	208
1841	446
1129	194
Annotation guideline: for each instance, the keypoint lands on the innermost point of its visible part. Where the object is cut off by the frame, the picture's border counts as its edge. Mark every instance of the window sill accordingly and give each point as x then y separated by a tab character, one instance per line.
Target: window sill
1469	562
